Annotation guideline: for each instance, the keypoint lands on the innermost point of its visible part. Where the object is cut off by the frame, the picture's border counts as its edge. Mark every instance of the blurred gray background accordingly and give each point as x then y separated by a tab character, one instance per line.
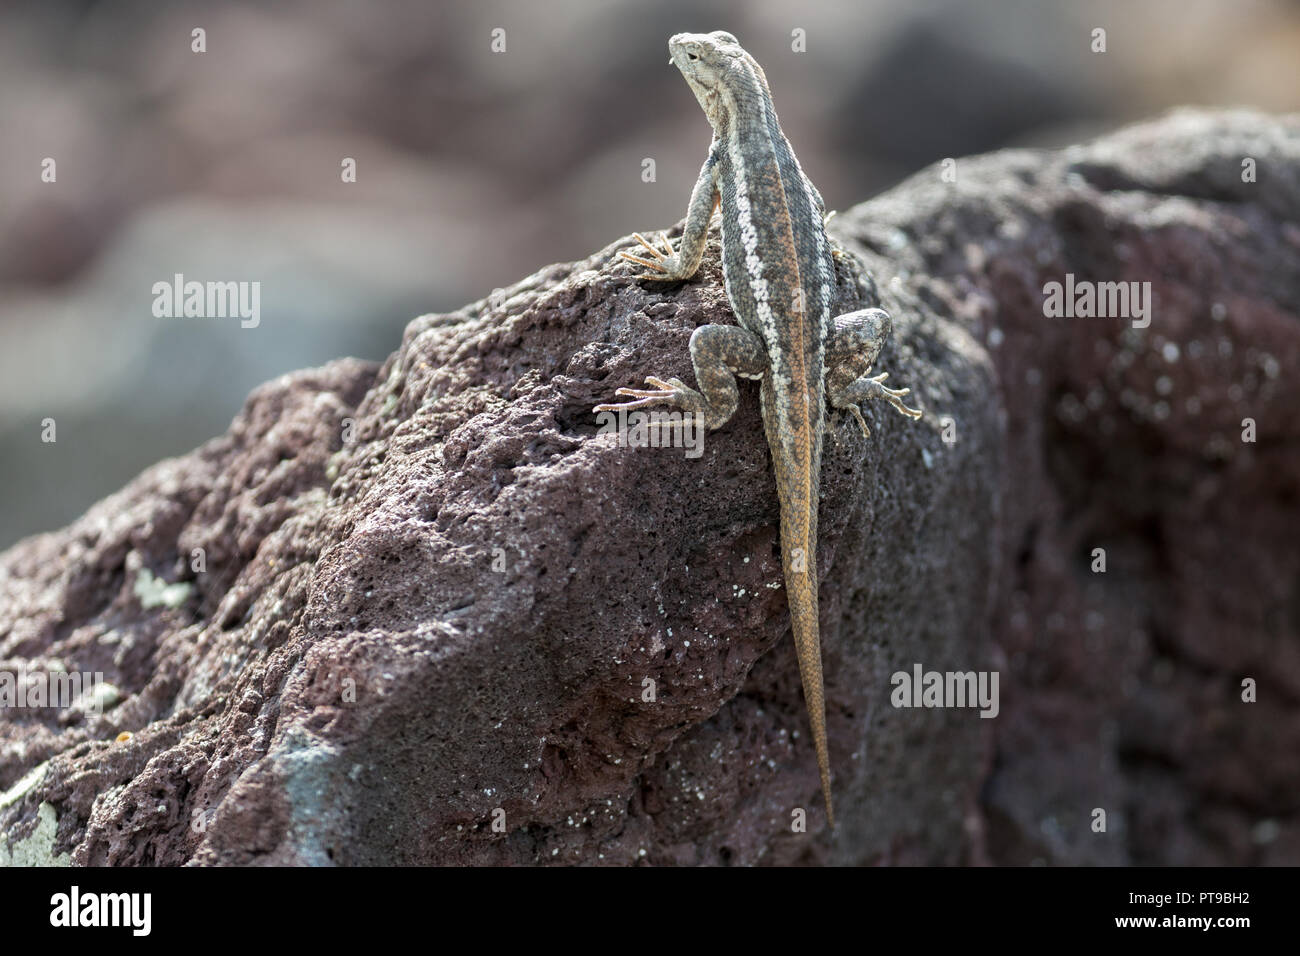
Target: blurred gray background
474	168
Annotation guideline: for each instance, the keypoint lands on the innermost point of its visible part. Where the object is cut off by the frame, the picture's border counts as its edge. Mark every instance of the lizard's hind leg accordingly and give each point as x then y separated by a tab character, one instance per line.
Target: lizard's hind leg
851	350
719	353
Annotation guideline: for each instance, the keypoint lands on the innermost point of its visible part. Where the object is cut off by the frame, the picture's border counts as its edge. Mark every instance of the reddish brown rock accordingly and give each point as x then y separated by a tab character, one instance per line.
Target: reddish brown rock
1123	690
433	597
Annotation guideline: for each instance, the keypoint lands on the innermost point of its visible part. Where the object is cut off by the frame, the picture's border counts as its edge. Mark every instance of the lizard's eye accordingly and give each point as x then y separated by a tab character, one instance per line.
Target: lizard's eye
692	56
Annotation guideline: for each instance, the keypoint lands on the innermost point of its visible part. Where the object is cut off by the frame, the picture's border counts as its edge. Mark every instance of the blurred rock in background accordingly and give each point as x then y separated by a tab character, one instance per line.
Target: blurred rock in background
225	166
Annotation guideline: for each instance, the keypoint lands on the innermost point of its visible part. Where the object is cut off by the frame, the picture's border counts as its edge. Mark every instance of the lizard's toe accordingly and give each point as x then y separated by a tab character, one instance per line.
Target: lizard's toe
641	262
857	413
650	248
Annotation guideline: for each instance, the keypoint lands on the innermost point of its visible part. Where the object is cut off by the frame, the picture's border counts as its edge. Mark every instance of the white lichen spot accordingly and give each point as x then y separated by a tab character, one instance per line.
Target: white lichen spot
154	592
103	696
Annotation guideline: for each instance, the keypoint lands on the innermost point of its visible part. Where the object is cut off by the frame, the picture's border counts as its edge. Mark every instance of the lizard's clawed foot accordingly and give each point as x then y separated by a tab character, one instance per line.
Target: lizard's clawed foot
673	392
665	265
892	395
866	389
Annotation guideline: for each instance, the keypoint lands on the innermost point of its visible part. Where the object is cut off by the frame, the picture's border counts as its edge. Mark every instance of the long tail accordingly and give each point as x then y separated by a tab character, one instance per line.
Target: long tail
796	459
801	587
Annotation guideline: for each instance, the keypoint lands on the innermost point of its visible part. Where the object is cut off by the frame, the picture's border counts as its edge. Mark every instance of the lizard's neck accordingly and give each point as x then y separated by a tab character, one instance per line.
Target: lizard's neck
743	105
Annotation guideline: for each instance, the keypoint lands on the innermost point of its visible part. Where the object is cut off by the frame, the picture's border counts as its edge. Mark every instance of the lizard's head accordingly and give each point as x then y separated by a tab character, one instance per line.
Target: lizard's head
706	59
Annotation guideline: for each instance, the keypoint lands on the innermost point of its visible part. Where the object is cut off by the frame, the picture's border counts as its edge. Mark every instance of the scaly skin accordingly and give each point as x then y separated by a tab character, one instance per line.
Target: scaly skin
779	277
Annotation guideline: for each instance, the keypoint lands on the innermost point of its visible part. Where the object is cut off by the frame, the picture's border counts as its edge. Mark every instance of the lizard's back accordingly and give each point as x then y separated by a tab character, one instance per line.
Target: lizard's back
779	278
770	217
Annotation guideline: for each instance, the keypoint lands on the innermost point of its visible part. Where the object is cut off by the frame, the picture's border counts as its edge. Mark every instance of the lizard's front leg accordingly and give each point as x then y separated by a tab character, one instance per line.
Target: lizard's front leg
851	350
674	266
719	353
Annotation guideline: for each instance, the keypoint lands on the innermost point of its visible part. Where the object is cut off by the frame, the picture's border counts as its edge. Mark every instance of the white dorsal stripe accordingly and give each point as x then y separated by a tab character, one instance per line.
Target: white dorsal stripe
821	280
749	238
745	216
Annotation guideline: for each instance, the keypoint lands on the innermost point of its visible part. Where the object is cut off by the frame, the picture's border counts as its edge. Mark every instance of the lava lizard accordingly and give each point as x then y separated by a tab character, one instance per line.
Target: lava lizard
779	272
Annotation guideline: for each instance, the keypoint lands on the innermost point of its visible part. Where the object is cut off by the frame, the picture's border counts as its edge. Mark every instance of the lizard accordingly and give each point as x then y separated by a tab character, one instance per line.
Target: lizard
779	275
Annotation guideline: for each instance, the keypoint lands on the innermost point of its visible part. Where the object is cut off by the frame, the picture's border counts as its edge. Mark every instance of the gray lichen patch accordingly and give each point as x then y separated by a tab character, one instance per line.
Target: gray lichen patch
37	849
